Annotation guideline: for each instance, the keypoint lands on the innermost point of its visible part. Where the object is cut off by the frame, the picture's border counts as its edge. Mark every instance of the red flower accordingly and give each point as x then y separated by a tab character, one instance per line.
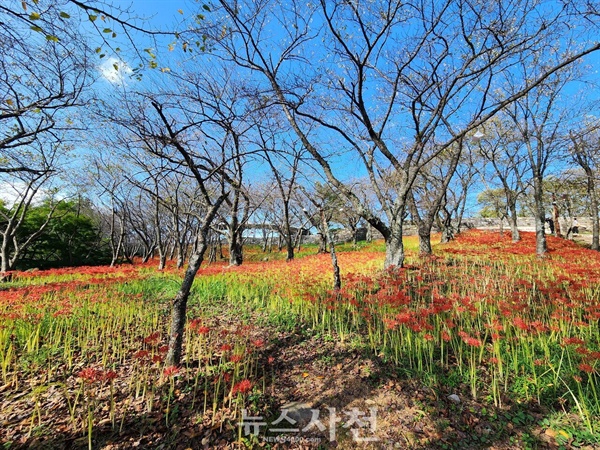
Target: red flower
153	338
259	343
171	371
109	375
140	354
236	358
225	347
89	374
242	387
586	368
573	341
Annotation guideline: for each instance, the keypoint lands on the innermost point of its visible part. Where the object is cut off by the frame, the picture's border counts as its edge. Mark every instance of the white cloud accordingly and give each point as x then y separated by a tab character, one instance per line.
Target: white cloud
115	70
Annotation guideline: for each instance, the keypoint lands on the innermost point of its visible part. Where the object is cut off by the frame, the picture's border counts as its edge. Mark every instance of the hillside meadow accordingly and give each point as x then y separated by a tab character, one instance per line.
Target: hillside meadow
481	346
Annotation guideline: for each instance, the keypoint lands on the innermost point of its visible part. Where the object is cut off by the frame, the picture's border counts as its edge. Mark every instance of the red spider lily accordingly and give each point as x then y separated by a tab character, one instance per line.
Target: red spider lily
109	375
153	338
170	371
90	375
586	368
258	343
157	359
242	387
141	354
225	347
469	340
520	323
573	341
163	349
236	358
196	325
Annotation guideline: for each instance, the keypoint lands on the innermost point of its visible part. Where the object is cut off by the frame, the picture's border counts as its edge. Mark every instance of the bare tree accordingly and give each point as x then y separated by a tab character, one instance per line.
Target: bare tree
391	82
284	160
428	193
538	123
23	188
584	152
503	151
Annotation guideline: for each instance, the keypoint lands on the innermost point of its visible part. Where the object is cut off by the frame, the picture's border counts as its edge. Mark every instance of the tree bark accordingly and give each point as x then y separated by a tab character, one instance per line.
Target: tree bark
236	251
594	209
178	313
540	216
337	280
516	236
424	233
394	248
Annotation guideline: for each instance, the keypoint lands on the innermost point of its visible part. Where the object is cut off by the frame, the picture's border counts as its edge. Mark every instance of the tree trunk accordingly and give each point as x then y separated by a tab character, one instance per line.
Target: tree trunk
322	242
446	226
516	236
289	245
236	253
4	255
394	248
162	260
594	209
180	256
556	214
424	233
337	280
180	305
540	215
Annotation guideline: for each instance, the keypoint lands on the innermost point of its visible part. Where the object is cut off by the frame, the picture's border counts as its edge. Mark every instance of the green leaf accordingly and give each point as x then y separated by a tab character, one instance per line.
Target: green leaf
206	7
36	28
102	55
92	17
107	30
51	38
98	50
34	16
65	15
